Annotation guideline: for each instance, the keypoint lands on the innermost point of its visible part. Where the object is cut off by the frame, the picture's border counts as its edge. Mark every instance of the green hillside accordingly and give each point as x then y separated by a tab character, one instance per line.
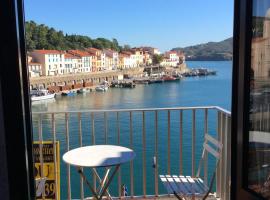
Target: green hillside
209	51
40	36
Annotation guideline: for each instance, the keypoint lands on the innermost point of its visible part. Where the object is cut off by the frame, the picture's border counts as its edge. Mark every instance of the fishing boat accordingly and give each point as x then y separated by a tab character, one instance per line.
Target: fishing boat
101	88
38	95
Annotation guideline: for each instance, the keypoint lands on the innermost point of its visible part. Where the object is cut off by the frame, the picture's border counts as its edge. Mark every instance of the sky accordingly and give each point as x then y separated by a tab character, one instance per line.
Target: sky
164	24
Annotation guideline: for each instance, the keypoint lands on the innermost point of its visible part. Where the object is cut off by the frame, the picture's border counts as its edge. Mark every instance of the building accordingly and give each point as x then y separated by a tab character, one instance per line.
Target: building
171	59
72	63
34	69
97	58
137	56
125	61
112	61
52	61
85	64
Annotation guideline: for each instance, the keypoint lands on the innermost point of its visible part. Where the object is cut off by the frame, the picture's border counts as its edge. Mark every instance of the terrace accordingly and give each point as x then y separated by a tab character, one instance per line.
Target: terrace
173	136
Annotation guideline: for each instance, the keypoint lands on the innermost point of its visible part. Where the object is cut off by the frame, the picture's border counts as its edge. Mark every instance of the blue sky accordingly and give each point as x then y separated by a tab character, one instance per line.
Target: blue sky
160	23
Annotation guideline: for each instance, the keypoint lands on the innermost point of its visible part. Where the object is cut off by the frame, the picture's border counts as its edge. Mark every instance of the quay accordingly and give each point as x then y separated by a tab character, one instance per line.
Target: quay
89	79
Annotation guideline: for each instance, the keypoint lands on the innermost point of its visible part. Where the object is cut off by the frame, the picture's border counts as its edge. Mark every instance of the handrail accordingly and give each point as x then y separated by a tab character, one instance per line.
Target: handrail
136	110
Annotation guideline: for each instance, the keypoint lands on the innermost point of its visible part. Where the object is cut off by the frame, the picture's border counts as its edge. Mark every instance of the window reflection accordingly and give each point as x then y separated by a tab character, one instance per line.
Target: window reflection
259	129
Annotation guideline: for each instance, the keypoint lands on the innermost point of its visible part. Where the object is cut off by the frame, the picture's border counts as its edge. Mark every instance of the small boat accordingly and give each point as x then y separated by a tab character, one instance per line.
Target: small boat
155	80
69	93
84	90
38	95
169	78
101	88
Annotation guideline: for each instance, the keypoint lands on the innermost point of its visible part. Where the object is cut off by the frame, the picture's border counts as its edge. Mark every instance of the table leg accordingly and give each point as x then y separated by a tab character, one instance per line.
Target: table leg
87	182
104	184
103	181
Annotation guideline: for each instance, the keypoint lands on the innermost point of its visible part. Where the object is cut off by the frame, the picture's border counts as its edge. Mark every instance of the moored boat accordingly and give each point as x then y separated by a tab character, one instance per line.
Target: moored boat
38	95
101	88
69	93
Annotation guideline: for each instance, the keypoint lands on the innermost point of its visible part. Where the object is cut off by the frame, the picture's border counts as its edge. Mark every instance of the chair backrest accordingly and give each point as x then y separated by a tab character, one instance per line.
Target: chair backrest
212	146
40	186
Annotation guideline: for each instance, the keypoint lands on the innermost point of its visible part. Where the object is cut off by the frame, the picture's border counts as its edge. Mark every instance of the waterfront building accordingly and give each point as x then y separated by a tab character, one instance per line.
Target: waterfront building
34	69
98	58
171	59
86	60
113	59
147	58
52	61
72	63
137	56
125	61
151	50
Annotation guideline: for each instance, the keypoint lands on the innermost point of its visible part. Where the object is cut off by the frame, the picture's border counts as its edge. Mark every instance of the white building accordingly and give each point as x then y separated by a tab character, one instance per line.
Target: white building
34	69
171	59
52	61
72	63
113	64
85	64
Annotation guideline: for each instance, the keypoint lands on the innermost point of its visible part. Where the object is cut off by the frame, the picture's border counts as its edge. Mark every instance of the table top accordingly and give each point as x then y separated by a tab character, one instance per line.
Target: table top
98	156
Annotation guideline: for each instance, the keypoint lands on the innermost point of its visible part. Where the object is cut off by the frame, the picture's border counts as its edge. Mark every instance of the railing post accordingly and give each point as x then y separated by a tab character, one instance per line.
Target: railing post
93	143
193	141
80	142
55	159
144	157
206	153
119	170
40	138
131	162
181	143
218	170
156	154
67	149
169	144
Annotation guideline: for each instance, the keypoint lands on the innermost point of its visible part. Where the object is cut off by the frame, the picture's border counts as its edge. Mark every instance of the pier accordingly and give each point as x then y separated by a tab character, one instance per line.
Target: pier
83	78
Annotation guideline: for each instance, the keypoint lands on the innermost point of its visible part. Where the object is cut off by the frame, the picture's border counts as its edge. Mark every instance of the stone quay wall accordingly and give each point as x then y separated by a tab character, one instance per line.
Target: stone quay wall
71	79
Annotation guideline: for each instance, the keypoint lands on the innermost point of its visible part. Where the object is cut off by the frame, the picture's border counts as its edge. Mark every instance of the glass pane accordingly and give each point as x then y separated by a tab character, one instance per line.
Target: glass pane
259	129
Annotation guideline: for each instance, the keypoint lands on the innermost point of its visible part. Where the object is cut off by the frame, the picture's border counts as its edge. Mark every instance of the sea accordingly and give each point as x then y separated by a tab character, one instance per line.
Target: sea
214	90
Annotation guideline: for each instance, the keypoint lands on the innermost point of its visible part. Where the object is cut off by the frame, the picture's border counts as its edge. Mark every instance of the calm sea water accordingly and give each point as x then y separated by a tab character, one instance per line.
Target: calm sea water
192	91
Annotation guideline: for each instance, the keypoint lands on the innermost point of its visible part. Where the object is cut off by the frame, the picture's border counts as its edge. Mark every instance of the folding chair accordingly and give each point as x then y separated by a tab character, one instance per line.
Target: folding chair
193	187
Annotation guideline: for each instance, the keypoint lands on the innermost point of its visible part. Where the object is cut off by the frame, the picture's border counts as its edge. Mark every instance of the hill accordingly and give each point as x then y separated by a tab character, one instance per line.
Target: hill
209	51
40	36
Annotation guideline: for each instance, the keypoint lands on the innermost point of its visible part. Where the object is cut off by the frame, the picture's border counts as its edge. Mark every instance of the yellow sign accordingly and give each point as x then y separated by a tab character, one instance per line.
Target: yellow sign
50	169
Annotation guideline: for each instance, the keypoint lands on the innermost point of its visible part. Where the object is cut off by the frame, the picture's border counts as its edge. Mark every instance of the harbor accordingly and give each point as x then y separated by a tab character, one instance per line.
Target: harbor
214	90
128	80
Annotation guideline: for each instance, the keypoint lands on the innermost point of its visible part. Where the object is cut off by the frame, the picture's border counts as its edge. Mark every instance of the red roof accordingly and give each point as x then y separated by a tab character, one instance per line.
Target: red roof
92	50
79	53
68	55
49	51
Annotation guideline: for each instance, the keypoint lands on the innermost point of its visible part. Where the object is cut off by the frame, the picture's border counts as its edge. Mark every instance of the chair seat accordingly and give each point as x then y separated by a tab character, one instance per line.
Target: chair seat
184	185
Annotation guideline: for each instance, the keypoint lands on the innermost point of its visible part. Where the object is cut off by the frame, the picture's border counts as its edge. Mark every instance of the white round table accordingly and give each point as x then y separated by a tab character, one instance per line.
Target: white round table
99	156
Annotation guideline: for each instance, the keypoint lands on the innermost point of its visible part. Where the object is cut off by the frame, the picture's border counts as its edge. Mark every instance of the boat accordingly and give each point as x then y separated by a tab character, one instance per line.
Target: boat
101	88
84	90
169	78
69	93
155	80
38	95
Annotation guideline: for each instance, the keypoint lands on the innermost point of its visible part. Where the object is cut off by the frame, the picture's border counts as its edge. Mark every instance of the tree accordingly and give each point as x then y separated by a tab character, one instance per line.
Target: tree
126	47
157	59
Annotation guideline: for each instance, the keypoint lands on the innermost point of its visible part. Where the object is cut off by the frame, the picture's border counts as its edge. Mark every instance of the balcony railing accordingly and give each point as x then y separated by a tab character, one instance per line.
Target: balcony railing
172	136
